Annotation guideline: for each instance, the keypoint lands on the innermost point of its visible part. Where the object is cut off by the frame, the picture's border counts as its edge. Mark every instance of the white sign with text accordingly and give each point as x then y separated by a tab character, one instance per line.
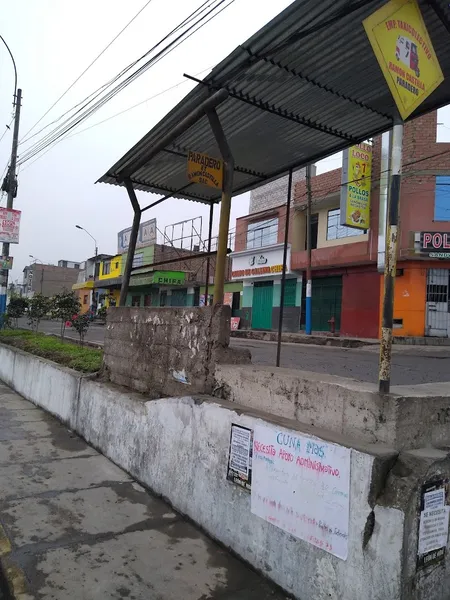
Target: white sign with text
302	485
260	262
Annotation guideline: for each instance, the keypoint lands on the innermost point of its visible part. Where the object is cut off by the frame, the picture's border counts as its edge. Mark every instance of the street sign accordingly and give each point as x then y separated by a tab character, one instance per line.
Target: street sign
402	46
9	225
204	169
356	186
6	262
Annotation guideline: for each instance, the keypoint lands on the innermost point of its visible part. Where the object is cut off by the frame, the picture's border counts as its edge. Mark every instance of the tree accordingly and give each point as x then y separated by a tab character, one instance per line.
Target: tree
16	309
80	323
63	307
38	307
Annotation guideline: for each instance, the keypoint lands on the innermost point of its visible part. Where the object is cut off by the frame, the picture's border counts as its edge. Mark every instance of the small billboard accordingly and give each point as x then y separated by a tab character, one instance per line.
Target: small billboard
9	225
146	236
356	186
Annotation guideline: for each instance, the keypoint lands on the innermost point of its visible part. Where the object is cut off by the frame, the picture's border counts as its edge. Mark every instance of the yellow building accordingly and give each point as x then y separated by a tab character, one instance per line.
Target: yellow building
109	281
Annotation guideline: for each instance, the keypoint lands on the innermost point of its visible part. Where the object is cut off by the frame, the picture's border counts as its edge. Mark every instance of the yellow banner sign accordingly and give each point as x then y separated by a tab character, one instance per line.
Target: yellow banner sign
202	168
405	53
356	184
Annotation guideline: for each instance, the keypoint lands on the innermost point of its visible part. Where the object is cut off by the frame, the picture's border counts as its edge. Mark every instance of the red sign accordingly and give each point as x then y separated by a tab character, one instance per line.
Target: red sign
9	225
235	323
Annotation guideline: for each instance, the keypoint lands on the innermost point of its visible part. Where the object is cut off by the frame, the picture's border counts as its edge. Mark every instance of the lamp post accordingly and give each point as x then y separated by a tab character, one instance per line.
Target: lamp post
35	259
95	241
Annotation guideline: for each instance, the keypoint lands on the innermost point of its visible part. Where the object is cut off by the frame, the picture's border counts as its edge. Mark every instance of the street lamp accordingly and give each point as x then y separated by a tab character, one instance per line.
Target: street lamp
35	259
95	241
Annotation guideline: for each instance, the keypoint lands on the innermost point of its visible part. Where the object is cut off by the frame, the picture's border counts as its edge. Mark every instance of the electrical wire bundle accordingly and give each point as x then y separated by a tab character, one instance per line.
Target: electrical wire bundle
76	115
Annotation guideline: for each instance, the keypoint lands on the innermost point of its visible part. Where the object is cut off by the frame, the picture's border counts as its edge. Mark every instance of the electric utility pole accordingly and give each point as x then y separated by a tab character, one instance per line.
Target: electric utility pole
10	186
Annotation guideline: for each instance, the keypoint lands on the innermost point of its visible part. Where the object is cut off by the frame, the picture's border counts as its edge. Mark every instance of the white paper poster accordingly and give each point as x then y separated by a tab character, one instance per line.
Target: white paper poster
302	485
433	529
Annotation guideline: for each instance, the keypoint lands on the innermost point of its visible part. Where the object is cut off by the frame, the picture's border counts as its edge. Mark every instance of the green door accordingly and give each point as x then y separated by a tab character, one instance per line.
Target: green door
326	302
262	305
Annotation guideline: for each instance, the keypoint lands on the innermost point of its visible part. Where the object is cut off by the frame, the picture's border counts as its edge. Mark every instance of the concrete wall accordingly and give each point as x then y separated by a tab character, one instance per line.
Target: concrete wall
168	351
409	417
178	447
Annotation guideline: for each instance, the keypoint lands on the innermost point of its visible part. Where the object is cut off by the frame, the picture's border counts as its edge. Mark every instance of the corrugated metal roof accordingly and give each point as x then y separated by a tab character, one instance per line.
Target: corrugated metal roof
305	86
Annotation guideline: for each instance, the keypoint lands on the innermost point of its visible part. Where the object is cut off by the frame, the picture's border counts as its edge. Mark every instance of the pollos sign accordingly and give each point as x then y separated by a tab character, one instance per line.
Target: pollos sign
434	241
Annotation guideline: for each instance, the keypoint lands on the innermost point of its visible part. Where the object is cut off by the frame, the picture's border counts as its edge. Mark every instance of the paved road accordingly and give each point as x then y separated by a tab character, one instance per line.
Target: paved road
411	365
75	526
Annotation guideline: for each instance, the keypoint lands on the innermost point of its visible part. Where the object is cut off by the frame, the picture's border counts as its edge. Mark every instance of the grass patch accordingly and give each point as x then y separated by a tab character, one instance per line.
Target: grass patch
81	358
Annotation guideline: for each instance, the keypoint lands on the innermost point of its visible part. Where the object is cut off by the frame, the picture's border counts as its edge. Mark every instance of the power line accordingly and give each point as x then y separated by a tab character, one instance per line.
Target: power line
97	92
88	67
68	124
58	133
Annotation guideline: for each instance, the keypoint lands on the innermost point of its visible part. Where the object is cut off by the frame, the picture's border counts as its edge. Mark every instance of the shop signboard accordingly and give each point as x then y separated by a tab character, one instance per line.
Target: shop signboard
262	262
356	186
9	225
435	244
403	49
169	277
146	236
204	169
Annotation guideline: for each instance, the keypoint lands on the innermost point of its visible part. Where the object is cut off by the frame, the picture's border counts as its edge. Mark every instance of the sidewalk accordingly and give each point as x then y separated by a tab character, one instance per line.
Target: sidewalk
73	525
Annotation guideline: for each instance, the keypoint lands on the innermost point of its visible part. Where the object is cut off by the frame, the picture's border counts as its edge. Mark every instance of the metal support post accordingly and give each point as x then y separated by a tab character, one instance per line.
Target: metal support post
133	240
208	260
308	324
384	377
386	139
12	190
283	273
225	205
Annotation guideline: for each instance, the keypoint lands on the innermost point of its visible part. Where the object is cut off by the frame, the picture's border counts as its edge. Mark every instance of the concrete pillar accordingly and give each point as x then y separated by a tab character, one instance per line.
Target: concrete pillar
190	296
276	293
247	294
298	291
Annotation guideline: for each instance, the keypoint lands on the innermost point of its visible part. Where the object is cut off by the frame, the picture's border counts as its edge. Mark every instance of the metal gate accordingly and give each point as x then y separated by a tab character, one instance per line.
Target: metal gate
262	305
437	307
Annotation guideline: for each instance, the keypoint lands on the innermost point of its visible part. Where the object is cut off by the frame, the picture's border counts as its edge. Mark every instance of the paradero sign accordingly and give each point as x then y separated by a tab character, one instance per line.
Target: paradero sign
432	241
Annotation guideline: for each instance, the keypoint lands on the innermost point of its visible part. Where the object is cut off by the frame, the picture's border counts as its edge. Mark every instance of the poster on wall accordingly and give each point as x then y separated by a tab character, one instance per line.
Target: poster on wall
228	299
356	186
9	225
302	485
240	457
433	523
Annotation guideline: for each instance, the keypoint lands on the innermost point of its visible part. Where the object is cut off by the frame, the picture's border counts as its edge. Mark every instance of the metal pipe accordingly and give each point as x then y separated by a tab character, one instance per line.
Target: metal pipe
308	306
283	274
209	104
225	205
208	260
384	376
132	244
384	187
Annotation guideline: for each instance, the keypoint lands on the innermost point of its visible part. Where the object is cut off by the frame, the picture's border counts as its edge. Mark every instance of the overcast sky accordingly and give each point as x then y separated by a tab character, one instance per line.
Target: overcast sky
53	42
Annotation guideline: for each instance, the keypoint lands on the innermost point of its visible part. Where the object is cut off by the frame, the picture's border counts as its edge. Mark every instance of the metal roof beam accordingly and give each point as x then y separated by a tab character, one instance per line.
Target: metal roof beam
172	135
321	86
279	112
173	192
165	198
242	170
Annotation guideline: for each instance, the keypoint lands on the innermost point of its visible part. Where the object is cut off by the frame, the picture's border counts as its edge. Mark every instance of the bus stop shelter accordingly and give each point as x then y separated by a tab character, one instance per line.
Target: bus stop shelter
305	86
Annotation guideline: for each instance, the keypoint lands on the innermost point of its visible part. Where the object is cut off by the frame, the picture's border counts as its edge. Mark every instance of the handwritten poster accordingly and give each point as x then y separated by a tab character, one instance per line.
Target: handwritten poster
302	485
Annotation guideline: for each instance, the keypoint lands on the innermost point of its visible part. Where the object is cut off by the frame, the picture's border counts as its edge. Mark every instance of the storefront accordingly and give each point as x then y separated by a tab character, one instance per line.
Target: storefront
260	271
161	288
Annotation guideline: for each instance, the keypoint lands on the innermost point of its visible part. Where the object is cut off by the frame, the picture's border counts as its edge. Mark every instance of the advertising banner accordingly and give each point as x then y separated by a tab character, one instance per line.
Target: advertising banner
146	236
404	51
356	186
204	169
435	244
9	225
302	485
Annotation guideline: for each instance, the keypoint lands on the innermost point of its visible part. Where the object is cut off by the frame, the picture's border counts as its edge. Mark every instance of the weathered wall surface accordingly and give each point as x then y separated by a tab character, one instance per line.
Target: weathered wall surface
409	417
179	448
168	351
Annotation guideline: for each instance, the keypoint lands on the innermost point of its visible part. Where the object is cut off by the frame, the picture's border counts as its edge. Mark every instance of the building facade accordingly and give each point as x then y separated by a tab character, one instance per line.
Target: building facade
48	280
347	287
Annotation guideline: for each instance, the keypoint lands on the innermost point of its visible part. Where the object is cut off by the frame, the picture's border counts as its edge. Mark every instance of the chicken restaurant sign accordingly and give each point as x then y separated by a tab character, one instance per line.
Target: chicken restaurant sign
435	244
260	262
